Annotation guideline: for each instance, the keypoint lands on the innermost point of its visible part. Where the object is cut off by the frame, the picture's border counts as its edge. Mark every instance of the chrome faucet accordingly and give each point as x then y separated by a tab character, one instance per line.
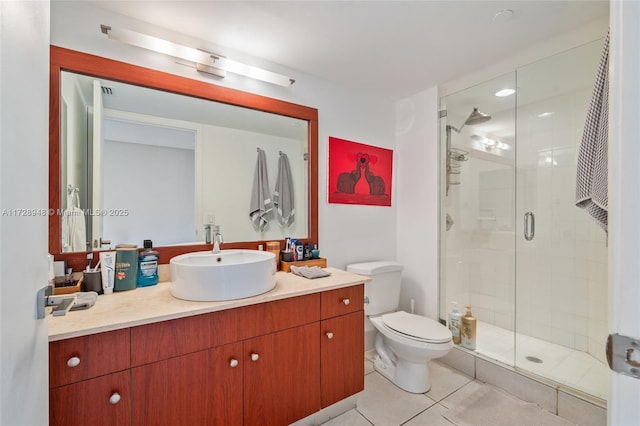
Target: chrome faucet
217	238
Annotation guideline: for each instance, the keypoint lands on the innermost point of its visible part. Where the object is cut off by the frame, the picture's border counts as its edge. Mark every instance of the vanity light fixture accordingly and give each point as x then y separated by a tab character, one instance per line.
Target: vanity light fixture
208	62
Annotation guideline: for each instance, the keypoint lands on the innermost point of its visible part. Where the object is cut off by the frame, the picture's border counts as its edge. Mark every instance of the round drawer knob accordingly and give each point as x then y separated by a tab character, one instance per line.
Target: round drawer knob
115	398
74	361
329	335
346	301
254	357
233	363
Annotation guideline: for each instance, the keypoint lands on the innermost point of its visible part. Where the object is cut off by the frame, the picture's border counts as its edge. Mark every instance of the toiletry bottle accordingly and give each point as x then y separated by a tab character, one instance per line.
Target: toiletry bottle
147	265
468	331
455	318
126	267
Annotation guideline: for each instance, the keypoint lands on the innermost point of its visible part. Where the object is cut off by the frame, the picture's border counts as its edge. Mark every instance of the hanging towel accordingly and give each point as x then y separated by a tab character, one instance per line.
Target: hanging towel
74	233
260	195
283	193
591	177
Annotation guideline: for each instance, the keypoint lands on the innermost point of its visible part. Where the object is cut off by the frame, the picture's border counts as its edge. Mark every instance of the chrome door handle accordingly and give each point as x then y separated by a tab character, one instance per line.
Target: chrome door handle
529	226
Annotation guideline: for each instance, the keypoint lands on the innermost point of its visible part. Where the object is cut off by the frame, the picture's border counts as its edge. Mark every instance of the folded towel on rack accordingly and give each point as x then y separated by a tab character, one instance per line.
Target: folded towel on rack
261	203
591	177
283	193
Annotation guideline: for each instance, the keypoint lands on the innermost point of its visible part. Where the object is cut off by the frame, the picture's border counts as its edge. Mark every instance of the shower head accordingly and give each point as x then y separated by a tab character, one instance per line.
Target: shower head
477	117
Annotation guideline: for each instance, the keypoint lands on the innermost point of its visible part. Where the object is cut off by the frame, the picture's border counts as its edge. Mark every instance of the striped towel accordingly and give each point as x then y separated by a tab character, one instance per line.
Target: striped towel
260	205
591	177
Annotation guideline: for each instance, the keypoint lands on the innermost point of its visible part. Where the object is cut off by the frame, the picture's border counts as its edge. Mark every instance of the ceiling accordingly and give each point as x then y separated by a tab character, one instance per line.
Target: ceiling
394	48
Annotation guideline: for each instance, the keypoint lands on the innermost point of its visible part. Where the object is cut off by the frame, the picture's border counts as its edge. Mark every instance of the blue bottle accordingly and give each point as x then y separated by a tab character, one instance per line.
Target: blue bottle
147	266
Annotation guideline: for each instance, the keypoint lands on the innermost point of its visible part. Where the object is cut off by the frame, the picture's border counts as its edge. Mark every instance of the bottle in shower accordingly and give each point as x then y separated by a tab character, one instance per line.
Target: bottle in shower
468	330
455	318
147	266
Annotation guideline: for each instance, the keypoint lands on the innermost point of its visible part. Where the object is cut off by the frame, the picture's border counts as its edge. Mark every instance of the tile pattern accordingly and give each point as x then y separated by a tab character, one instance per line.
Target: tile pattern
384	404
575	369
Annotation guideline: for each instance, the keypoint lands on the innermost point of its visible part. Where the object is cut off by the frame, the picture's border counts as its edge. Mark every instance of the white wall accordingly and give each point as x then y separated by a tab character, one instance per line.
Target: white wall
220	181
135	188
347	233
417	200
24	71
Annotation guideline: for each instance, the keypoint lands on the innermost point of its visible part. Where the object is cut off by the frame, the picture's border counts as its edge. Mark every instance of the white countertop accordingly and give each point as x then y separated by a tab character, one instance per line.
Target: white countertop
147	305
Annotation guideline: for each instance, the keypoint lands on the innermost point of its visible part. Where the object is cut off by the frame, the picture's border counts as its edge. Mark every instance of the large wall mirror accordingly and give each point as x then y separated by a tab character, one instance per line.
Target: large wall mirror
139	154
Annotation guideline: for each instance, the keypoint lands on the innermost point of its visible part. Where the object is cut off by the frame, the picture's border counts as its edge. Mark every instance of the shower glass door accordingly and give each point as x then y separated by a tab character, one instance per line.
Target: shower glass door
479	223
561	255
513	245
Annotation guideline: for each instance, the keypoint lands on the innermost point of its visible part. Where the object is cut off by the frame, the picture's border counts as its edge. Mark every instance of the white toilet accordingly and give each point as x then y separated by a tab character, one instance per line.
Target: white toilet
405	342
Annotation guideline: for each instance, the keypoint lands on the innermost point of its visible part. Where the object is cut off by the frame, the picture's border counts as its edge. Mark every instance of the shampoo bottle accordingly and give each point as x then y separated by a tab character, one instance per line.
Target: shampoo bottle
147	266
454	323
468	331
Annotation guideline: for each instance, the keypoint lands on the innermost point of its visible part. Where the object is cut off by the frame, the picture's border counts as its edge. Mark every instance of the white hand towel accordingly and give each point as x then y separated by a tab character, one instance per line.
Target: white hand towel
283	194
260	196
591	178
74	234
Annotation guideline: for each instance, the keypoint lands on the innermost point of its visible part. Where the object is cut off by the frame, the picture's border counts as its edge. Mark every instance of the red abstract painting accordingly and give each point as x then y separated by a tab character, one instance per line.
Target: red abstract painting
359	173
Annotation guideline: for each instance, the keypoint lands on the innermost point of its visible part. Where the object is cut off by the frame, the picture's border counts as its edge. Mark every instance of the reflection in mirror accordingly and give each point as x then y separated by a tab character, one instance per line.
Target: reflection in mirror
164	166
139	154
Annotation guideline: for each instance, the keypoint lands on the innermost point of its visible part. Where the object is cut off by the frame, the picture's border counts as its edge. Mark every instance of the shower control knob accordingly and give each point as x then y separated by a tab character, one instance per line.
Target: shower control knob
114	398
233	363
254	357
74	361
346	301
329	335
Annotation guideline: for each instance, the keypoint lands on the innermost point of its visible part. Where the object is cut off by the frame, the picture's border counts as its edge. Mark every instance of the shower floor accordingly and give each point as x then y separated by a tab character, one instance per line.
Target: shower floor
575	369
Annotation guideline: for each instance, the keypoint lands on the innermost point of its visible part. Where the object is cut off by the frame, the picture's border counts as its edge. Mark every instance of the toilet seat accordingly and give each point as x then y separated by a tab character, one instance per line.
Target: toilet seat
416	327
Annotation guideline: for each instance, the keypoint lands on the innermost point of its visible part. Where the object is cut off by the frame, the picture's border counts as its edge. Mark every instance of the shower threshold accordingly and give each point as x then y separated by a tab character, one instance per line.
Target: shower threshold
569	367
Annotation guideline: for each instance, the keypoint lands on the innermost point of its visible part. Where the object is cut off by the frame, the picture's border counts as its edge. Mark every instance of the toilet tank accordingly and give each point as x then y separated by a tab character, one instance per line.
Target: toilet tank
383	291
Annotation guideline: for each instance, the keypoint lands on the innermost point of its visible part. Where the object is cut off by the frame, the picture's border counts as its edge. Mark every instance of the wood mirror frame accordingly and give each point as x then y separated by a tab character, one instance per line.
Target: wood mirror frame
83	63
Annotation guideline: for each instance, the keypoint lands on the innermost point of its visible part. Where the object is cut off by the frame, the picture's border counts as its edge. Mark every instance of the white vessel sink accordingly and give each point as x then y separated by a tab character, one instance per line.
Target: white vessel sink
228	275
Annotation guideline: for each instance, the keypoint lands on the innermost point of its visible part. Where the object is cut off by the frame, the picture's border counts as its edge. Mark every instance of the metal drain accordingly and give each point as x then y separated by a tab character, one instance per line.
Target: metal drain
534	359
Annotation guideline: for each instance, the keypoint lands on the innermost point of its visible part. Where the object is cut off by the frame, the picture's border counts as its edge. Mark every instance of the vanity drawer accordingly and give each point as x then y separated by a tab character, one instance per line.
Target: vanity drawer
168	339
269	317
342	301
81	358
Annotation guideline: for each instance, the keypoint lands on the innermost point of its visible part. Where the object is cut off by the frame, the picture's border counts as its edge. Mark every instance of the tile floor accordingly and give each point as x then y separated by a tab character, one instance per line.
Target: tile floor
570	367
383	404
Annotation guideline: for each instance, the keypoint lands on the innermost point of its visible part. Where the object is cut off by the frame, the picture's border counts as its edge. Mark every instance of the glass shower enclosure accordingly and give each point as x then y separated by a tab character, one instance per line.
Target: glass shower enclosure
513	245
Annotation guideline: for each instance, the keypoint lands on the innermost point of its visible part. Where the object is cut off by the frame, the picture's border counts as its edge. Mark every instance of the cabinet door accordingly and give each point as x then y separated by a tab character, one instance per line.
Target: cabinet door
101	401
282	376
81	358
201	388
342	365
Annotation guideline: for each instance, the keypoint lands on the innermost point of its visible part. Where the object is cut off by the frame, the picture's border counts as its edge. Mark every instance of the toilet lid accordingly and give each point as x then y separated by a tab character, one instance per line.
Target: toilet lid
417	326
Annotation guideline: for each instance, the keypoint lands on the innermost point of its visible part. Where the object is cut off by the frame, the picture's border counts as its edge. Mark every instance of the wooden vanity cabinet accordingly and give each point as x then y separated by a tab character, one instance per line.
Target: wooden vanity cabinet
282	376
200	388
342	347
89	380
270	364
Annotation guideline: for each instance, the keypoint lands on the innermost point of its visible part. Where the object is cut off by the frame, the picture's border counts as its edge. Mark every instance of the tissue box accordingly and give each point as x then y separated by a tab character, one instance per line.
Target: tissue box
286	266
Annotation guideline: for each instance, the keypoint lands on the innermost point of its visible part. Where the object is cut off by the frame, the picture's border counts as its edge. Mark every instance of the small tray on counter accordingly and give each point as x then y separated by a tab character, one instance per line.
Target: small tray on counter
286	266
68	289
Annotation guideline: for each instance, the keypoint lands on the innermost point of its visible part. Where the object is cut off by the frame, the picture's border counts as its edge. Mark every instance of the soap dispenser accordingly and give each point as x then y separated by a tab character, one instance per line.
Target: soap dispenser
147	266
454	323
468	330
